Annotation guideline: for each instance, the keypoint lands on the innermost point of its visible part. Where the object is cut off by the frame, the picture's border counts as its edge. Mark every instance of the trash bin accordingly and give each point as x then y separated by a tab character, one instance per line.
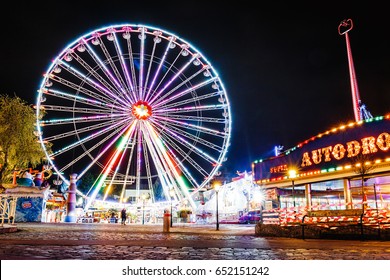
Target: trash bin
166	221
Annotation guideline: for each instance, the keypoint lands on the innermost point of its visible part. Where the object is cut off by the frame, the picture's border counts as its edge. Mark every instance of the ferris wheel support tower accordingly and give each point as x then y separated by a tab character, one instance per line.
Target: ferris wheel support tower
359	108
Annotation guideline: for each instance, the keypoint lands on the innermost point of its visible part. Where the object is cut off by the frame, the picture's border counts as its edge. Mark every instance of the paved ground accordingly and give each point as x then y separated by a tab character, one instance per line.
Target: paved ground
63	241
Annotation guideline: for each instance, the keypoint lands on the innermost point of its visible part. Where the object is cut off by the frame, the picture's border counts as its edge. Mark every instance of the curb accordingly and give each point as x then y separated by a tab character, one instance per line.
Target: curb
8	228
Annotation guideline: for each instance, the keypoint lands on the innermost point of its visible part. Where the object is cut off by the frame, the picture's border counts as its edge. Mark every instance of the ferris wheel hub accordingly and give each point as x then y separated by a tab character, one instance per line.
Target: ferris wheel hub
141	110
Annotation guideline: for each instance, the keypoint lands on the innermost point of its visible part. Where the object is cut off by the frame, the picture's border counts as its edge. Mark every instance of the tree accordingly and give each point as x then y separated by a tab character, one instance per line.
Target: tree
86	182
362	166
19	148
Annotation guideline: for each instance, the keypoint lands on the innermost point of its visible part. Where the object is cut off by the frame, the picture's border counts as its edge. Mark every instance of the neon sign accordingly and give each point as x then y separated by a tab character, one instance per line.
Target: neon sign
279	169
367	145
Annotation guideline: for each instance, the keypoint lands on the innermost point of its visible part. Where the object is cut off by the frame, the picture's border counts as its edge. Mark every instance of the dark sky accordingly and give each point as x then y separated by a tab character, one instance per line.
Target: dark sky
284	66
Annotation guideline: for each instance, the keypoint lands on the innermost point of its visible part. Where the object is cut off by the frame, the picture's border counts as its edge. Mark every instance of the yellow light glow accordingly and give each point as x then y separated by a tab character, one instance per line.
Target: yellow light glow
217	185
292	173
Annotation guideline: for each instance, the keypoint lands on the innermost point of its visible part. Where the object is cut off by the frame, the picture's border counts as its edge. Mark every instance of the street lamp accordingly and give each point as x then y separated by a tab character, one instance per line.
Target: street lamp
143	197
292	174
217	186
172	194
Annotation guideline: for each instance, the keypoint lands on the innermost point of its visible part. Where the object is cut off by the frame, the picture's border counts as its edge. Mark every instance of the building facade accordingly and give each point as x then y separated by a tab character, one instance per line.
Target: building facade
347	167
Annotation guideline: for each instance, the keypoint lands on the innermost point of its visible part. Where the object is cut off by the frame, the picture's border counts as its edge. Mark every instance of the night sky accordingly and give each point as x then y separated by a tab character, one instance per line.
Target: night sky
284	67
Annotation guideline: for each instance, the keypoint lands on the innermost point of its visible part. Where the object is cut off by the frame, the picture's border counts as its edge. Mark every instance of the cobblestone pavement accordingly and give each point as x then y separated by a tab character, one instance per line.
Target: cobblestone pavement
62	241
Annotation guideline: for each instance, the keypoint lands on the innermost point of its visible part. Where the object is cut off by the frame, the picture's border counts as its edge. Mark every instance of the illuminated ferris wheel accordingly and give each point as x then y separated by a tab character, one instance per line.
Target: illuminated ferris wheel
138	106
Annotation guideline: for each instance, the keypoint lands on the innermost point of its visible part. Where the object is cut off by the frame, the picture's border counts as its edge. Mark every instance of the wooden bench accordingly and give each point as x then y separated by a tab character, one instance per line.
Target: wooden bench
335	218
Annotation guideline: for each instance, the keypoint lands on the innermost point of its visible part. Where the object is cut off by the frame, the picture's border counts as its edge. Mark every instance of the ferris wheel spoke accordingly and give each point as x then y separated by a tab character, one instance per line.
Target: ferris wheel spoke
166	100
129	131
78	98
197	150
196	128
99	95
102	66
142	37
79	131
78	120
171	80
148	171
188	135
90	150
197	167
129	146
201	108
183	83
168	71
139	152
85	139
129	84
77	109
132	66
103	87
191	148
158	71
107	147
195	118
91	71
118	165
161	166
194	99
151	60
172	174
117	78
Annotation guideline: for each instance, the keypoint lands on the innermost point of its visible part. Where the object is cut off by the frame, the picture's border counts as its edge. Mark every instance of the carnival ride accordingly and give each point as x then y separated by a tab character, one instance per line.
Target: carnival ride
139	106
359	109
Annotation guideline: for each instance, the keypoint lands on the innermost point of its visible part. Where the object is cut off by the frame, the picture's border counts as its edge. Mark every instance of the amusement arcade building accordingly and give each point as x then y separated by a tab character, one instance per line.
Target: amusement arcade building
347	167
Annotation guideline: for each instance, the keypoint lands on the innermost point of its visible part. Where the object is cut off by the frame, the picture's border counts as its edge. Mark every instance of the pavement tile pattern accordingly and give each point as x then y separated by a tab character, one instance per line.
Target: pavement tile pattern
61	241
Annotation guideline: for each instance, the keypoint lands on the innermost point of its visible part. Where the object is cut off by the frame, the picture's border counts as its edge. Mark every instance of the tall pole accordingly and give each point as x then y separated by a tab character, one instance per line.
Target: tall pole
293	192
172	195
292	174
359	109
377	212
216	186
217	210
143	211
171	214
347	25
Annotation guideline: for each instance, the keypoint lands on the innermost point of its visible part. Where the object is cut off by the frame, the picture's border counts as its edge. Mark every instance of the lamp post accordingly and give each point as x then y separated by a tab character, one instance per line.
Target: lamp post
292	174
143	197
217	186
172	194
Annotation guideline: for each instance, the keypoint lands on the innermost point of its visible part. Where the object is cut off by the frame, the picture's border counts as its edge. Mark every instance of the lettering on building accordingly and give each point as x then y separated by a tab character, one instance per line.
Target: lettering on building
367	145
279	168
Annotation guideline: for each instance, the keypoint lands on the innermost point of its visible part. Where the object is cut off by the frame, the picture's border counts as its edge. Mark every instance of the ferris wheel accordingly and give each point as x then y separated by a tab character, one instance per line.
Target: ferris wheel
139	107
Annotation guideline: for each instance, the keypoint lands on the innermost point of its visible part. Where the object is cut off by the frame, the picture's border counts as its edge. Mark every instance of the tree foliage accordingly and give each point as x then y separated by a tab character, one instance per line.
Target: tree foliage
86	182
363	166
19	148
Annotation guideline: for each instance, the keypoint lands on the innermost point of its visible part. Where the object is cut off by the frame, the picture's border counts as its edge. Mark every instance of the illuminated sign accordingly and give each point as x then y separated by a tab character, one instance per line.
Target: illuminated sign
367	145
279	169
329	150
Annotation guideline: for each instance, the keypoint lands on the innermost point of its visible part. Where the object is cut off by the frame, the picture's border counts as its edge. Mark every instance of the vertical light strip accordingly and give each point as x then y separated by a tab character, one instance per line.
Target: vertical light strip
110	165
